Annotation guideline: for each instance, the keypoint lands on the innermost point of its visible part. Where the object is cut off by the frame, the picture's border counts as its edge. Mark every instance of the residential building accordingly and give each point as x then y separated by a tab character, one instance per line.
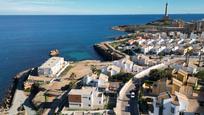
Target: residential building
181	41
125	64
93	80
90	80
161	104
86	98
193	35
200	26
161	42
180	78
163	49
202	35
193	41
147	49
111	70
51	67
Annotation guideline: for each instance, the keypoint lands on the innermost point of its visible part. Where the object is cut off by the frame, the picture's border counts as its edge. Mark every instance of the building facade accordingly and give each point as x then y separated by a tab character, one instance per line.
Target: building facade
51	67
86	98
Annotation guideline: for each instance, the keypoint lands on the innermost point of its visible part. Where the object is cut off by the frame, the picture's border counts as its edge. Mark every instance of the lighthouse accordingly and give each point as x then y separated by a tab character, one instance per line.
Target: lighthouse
166	17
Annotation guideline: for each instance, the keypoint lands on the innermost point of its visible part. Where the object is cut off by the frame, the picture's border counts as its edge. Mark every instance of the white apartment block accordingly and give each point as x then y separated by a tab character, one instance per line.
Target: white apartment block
86	98
125	64
51	67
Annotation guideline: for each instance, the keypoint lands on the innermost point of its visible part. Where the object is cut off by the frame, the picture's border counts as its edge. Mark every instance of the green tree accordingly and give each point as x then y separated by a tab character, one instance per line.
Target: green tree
200	75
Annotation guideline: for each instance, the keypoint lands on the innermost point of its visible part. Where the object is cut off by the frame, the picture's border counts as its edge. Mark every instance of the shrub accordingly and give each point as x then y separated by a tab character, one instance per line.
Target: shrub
27	90
200	75
157	74
122	77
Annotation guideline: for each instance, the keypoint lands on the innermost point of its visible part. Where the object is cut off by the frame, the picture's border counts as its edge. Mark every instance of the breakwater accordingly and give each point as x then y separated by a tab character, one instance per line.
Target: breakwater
6	103
107	52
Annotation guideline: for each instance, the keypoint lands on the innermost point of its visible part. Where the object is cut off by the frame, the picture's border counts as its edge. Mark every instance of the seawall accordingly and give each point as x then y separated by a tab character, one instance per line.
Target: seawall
107	53
8	98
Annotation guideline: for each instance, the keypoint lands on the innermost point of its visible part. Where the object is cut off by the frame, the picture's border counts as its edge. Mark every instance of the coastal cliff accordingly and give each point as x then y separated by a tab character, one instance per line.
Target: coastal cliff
107	53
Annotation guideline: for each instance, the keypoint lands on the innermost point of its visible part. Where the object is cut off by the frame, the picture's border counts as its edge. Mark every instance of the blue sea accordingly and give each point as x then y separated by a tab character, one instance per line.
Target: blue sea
26	40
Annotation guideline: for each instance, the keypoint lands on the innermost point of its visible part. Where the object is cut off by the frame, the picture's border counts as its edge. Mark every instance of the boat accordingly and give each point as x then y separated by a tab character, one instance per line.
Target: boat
54	52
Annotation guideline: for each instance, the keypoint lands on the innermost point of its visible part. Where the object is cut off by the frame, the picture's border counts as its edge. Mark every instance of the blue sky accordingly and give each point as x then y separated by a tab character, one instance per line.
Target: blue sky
71	7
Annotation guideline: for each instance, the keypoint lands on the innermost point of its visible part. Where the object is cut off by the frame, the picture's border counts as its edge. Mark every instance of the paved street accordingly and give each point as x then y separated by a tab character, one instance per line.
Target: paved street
122	100
133	106
133	102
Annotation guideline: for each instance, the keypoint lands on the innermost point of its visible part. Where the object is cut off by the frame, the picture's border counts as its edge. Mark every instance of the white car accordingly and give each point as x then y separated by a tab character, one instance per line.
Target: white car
132	94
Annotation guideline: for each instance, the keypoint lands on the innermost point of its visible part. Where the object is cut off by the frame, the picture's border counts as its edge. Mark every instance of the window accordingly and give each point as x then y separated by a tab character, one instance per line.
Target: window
181	113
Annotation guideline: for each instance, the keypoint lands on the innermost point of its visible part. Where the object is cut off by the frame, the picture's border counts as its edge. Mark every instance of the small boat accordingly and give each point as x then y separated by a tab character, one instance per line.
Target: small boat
54	52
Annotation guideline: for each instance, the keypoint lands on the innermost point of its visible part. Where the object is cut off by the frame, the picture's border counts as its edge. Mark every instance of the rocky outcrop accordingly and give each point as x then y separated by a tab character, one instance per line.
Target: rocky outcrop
107	53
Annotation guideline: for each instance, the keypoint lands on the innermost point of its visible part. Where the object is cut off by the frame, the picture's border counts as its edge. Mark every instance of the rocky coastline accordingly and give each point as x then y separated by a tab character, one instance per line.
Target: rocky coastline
6	102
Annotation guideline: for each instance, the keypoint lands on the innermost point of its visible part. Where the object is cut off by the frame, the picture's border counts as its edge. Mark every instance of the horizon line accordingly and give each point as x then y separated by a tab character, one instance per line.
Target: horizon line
98	14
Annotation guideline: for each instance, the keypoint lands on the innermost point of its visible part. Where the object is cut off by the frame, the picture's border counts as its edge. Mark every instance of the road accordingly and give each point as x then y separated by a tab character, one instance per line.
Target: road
122	100
133	103
133	106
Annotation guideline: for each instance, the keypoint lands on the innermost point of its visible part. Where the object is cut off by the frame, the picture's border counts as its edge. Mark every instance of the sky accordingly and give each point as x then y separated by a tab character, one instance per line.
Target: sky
87	7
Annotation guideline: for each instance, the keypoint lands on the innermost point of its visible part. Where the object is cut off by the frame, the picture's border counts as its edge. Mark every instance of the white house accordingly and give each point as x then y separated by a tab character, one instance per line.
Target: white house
111	70
148	49
151	42
90	80
163	35
125	64
103	77
141	41
193	36
162	49
171	40
143	61
51	67
202	35
172	34
86	98
164	99
161	41
192	41
181	41
137	68
176	48
183	36
93	80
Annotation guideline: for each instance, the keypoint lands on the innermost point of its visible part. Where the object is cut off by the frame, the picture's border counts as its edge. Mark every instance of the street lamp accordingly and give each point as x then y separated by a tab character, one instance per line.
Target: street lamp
200	55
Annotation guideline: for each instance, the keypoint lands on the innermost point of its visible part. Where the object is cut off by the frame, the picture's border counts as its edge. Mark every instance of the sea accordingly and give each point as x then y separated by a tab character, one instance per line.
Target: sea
25	40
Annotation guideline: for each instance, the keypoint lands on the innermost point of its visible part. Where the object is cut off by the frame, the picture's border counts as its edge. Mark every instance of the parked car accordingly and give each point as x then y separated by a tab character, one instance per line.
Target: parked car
132	94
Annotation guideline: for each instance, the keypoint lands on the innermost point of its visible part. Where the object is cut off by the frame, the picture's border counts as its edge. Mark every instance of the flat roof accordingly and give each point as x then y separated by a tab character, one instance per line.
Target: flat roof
51	62
115	68
83	90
